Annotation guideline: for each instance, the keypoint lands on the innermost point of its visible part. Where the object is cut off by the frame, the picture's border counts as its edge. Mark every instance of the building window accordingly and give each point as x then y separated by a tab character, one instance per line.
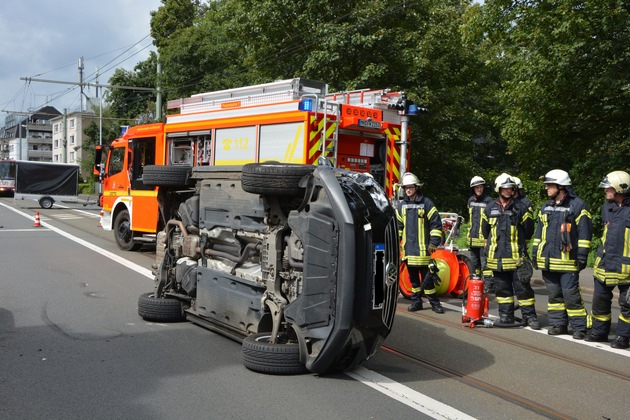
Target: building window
56	144
71	139
71	122
71	156
56	128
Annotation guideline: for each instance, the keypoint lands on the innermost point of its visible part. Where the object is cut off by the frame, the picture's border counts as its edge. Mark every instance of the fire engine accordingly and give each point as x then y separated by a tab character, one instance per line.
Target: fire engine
288	121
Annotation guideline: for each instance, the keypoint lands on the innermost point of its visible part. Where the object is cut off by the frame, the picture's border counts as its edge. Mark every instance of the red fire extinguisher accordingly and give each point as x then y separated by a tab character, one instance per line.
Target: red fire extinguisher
475	303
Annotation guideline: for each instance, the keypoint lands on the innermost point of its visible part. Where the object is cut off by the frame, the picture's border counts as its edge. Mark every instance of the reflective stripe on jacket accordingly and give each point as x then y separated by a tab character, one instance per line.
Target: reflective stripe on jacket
476	207
548	239
612	264
419	225
505	235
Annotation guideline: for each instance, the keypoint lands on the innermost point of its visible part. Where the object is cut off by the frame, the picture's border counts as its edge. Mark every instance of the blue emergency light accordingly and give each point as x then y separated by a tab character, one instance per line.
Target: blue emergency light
306	104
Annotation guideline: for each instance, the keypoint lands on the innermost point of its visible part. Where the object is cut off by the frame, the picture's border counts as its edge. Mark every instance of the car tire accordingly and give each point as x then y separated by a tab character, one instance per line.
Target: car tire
259	355
156	309
123	233
274	178
46	202
170	176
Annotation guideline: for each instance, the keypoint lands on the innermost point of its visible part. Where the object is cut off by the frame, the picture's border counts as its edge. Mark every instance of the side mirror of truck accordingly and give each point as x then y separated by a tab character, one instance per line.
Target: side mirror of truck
98	157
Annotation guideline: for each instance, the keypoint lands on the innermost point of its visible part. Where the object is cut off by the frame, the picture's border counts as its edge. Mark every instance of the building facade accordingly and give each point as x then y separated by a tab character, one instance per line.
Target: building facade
67	136
28	136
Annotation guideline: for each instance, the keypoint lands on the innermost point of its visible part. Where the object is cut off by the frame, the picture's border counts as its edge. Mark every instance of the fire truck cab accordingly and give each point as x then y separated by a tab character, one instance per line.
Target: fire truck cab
287	121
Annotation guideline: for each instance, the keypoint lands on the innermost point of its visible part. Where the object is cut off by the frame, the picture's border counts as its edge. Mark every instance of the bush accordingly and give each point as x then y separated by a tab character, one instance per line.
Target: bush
87	188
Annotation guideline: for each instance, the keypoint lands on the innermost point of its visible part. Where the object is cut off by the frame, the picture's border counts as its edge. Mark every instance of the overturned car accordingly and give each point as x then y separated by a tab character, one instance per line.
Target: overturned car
298	262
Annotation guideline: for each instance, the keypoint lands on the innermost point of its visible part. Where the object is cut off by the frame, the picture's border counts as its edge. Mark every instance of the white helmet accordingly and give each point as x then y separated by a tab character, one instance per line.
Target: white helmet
410	179
619	180
557	176
518	182
504	181
476	180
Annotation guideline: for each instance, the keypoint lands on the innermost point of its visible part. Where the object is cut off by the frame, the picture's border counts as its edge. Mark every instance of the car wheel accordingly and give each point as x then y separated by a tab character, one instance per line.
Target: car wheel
123	233
46	202
274	178
259	355
156	309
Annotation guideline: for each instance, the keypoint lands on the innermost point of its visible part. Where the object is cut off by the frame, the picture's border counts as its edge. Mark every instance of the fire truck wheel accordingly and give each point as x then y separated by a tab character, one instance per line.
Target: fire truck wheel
262	356
166	176
155	309
123	233
274	178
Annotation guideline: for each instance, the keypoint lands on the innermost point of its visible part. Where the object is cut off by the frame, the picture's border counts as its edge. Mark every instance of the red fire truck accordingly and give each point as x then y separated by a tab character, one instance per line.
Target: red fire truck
288	121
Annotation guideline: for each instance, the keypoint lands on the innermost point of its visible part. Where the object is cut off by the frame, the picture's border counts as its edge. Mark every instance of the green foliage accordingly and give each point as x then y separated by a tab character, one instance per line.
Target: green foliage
134	104
565	99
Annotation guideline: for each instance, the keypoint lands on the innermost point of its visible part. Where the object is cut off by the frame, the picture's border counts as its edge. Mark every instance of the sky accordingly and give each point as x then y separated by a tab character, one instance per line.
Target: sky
43	39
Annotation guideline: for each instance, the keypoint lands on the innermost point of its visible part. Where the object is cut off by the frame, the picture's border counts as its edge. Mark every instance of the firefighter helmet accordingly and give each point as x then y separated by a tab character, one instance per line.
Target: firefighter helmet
504	181
517	182
410	179
476	180
619	180
558	177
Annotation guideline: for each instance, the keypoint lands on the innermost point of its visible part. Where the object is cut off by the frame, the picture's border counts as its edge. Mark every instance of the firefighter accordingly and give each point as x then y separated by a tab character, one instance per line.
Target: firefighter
521	199
420	229
560	249
612	263
477	203
502	226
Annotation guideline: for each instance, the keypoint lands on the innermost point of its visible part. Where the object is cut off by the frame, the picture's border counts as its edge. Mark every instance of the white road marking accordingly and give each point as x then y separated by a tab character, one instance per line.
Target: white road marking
599	346
414	399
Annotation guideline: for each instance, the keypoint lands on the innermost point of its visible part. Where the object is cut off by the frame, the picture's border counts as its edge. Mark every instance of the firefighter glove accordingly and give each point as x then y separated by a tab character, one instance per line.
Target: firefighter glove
581	264
525	271
436	280
433	268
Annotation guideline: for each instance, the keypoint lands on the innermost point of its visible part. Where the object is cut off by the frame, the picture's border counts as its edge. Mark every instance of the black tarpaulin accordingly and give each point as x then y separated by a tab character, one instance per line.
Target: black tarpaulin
47	178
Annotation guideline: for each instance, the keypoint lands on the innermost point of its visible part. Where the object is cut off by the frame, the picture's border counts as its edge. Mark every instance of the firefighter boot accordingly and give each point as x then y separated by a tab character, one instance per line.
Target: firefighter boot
620	342
414	307
596	338
557	330
533	323
436	306
579	334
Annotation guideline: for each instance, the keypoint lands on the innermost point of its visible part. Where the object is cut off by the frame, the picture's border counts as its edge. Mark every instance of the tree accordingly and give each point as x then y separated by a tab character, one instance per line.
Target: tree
134	104
565	96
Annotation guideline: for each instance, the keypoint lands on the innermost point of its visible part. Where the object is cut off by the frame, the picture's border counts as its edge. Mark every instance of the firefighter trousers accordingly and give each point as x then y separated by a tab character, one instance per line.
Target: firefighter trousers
565	305
478	259
601	310
426	287
507	286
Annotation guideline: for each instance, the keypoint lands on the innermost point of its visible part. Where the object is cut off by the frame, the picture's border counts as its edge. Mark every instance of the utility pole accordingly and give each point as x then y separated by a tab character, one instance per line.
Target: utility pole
81	83
64	140
158	94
